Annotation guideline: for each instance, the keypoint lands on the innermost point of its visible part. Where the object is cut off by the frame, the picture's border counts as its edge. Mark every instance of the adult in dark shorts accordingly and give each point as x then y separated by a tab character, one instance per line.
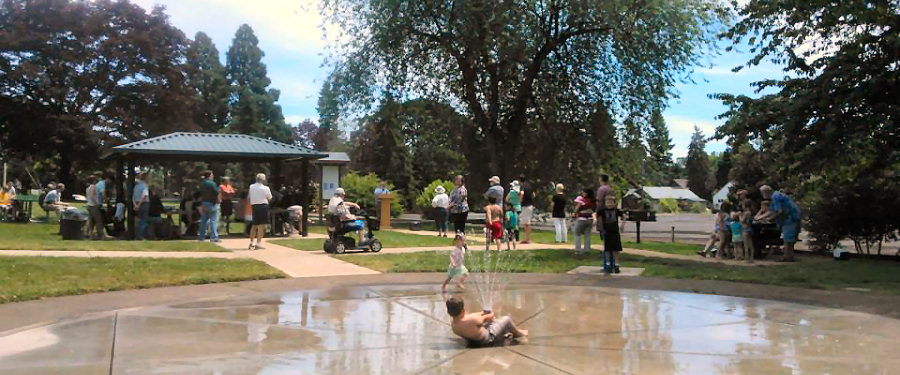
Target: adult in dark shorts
226	194
259	196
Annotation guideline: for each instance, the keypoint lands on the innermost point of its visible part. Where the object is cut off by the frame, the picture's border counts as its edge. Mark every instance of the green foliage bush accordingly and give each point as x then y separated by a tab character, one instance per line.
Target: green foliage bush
360	189
423	201
861	208
668	205
698	208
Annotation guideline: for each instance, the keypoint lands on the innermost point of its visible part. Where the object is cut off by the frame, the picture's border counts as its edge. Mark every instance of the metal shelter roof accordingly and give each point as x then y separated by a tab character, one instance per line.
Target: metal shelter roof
213	146
334	158
662	192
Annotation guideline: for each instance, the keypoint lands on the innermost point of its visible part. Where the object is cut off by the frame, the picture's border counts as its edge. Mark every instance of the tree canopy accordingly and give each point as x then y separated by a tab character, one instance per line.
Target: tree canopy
75	75
524	72
832	123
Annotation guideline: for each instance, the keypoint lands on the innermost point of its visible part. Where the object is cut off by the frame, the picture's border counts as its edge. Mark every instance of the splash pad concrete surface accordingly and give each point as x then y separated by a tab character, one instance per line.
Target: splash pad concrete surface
402	328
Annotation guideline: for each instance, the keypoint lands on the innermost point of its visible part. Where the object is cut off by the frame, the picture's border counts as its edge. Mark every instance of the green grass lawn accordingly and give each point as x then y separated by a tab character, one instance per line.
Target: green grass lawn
388	239
27	278
41	236
548	237
817	273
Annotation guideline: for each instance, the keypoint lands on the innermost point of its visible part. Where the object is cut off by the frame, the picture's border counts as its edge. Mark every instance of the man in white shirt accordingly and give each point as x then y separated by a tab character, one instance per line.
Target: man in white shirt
95	216
52	200
259	196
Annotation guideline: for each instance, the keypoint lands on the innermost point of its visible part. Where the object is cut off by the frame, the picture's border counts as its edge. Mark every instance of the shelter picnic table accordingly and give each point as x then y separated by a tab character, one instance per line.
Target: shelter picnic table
28	201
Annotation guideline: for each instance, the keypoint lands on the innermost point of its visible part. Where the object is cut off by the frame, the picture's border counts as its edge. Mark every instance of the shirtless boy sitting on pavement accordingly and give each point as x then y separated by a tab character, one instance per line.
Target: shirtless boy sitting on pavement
479	329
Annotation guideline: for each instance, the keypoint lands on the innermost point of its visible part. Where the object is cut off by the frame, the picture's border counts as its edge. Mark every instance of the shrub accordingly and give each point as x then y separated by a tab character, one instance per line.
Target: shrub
360	189
864	209
423	201
698	208
668	205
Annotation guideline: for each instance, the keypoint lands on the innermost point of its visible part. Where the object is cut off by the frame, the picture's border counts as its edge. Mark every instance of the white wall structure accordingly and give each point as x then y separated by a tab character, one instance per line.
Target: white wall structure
721	195
331	180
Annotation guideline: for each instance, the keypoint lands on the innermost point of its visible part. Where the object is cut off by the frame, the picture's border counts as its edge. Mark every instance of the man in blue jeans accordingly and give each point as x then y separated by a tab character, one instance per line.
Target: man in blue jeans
141	199
209	209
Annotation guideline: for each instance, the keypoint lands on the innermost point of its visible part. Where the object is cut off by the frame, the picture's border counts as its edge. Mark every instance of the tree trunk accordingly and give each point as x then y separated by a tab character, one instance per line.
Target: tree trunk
65	173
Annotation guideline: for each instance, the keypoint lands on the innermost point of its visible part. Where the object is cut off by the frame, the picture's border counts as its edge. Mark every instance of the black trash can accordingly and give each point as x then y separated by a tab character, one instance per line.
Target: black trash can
72	229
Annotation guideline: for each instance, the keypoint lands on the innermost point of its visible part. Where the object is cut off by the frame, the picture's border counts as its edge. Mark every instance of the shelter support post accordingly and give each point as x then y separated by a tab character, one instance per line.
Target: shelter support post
304	200
275	180
120	180
129	198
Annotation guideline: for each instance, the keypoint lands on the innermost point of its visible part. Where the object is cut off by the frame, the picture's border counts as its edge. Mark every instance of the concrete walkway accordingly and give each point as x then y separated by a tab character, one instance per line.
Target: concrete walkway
298	263
295	263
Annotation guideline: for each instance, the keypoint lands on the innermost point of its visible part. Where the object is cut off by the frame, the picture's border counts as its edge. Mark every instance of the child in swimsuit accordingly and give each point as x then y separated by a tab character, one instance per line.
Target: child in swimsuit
492	222
457	267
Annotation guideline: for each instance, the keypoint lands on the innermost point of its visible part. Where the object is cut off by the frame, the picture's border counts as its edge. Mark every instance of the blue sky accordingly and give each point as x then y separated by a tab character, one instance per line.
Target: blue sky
290	34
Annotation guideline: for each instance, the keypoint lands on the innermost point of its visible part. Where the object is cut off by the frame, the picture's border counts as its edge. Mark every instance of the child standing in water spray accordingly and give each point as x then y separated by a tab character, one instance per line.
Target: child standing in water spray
457	266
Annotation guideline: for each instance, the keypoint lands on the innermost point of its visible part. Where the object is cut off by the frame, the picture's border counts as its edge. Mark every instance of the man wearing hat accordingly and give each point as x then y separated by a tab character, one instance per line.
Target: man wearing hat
441	204
496	190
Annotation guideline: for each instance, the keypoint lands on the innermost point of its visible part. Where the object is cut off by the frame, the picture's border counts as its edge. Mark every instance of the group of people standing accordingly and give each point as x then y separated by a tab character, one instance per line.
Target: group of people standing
733	235
211	201
505	211
592	209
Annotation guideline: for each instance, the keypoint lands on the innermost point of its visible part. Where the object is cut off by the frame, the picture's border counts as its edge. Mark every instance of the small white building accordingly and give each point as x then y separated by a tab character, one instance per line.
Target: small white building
657	193
332	169
721	195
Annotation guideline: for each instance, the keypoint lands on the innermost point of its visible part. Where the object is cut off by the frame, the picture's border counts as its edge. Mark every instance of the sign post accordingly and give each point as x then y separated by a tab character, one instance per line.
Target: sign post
384	211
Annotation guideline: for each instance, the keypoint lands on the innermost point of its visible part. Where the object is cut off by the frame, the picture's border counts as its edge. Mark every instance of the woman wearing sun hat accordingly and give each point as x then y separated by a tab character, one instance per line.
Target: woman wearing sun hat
441	203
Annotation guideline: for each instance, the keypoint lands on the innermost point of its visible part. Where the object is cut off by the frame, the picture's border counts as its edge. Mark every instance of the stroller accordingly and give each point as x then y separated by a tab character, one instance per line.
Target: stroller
339	242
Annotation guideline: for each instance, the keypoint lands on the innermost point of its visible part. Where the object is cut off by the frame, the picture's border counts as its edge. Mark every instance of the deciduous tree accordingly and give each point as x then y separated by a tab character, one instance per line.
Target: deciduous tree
513	67
76	76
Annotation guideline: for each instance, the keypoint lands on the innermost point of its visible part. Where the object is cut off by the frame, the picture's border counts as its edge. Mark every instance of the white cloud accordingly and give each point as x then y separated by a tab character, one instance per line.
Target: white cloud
294	119
289	24
681	128
718	71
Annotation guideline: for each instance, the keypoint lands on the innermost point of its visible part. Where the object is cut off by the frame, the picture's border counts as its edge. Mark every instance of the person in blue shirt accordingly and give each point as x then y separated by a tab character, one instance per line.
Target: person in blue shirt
382	189
787	216
141	199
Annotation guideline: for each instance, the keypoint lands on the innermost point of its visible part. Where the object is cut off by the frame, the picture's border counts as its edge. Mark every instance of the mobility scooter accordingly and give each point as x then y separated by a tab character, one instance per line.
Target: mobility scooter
340	239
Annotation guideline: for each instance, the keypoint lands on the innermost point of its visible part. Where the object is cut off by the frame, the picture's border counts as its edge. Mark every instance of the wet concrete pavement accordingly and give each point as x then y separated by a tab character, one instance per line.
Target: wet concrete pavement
402	329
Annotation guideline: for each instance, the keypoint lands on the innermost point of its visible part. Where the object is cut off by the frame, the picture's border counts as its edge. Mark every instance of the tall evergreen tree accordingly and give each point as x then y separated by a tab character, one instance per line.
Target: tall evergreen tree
253	107
206	76
659	144
698	165
659	148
